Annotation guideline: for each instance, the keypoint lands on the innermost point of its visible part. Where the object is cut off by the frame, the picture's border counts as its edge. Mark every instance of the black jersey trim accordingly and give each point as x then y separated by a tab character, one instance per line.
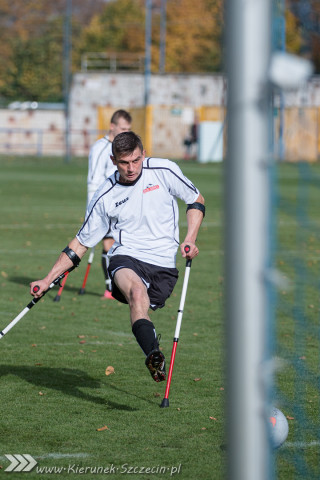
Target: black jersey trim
191	186
128	184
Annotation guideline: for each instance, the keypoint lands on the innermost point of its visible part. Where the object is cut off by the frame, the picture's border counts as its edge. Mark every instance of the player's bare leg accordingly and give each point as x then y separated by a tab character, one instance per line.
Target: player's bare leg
143	329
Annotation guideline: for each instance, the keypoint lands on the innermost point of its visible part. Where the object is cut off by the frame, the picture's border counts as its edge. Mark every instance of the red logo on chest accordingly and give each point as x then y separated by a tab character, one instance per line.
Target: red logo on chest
149	189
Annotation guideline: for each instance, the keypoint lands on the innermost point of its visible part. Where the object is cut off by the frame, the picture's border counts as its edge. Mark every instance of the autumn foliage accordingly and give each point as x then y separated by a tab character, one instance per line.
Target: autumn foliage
32	34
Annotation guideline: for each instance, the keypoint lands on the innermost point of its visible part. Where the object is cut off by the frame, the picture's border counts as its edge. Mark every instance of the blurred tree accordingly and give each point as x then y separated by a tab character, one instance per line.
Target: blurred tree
306	15
193	41
31	38
31	46
293	33
194	36
119	28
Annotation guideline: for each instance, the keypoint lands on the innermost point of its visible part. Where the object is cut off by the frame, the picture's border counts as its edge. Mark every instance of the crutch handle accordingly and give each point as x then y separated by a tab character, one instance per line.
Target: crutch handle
187	250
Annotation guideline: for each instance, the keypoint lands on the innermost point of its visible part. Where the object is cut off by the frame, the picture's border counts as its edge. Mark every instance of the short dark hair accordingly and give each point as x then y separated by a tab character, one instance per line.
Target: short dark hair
121	114
126	143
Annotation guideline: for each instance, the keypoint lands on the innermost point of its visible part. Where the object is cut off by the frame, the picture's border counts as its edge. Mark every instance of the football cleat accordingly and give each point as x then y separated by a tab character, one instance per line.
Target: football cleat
156	365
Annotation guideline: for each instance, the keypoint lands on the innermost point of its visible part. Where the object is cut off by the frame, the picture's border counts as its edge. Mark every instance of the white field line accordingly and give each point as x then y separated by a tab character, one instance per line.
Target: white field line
76	226
314	443
95	342
55	252
53	226
23	251
62	455
46	226
56	456
216	223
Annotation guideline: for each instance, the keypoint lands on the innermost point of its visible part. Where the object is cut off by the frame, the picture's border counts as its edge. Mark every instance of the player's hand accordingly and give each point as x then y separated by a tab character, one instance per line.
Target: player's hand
190	252
38	288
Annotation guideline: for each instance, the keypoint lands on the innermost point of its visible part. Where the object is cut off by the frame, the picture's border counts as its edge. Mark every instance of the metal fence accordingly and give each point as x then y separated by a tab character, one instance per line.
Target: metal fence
163	130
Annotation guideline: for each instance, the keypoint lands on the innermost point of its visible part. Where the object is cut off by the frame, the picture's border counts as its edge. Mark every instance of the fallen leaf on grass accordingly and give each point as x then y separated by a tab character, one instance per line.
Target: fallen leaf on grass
156	394
290	418
81	336
41	394
100	429
213	418
196	379
82	341
4	274
109	370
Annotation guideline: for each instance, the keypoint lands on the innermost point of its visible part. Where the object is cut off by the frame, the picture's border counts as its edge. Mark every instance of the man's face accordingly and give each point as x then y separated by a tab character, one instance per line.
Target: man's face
129	166
121	126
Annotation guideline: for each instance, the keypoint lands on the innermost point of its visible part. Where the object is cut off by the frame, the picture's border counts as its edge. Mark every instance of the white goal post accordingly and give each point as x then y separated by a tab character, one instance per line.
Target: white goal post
248	37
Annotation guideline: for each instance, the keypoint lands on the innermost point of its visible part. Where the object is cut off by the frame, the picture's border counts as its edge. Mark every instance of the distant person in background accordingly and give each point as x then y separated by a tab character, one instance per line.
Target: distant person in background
190	141
100	168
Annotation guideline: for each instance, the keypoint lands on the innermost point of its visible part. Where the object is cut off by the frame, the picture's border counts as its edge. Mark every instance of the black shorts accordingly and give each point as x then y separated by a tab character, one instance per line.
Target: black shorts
160	281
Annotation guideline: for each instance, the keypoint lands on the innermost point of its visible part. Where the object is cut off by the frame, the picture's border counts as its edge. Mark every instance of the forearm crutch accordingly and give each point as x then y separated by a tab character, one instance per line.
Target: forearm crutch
33	302
165	401
57	297
90	260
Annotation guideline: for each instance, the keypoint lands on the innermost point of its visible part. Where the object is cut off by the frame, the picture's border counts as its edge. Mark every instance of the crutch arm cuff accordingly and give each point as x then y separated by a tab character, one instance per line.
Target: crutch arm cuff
72	255
197	206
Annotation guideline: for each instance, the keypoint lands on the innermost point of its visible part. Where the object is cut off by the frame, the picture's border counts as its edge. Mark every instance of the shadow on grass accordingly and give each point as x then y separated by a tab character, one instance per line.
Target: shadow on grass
65	380
25	281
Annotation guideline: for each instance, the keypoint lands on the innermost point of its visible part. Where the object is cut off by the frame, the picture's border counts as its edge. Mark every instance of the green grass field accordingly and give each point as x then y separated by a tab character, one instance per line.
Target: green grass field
55	395
297	308
59	406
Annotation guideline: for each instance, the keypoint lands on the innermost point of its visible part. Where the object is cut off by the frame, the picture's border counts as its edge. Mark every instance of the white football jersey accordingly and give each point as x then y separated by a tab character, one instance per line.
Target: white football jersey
100	165
143	216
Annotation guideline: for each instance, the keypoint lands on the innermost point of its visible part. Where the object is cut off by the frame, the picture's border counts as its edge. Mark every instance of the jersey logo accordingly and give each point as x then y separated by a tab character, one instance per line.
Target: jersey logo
150	187
122	201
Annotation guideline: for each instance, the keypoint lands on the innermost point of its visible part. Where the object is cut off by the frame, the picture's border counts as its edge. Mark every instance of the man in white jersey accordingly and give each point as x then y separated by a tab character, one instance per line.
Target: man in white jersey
100	168
138	204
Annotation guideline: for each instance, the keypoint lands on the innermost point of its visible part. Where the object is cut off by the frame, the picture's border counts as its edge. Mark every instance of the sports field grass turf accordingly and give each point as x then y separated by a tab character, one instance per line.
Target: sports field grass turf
54	391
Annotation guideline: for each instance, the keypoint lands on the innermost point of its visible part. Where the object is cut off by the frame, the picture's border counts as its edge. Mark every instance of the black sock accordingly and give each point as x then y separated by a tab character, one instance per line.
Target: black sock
105	263
145	334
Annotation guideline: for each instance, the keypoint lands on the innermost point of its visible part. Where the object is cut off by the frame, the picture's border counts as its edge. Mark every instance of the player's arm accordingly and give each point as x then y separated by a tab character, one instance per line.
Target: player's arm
70	256
195	214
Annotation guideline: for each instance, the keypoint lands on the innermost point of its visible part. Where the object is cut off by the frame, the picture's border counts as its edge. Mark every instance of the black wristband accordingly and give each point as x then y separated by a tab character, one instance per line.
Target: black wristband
197	206
72	255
